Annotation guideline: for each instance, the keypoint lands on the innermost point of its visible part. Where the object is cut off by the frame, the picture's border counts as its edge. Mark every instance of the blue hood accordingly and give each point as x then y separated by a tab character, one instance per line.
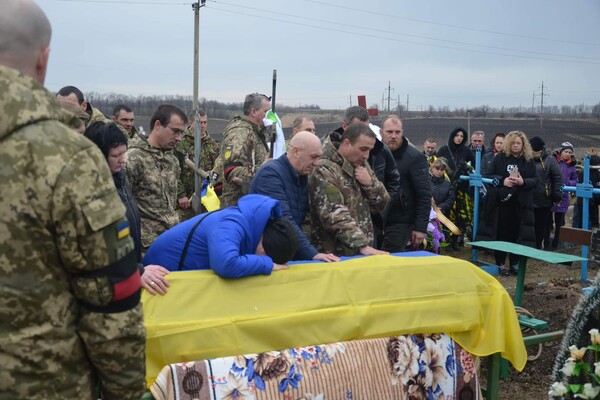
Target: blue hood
258	209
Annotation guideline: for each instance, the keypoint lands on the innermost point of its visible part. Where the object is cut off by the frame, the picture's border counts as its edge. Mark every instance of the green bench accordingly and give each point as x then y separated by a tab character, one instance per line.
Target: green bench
495	363
525	253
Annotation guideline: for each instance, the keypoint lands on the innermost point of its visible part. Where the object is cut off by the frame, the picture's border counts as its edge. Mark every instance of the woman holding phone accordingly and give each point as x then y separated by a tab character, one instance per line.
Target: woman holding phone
507	214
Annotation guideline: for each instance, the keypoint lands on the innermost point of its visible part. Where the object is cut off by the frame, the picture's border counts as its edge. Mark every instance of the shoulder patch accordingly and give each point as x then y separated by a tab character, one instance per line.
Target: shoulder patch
333	194
123	230
228	151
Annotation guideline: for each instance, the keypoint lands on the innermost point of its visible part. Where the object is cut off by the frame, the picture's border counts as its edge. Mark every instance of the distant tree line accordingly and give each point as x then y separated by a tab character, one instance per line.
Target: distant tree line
146	105
580	111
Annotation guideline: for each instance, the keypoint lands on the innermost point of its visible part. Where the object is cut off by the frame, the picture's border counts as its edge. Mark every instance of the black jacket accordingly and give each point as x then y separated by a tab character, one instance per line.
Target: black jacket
132	211
442	193
488	212
486	161
455	154
383	164
414	204
549	181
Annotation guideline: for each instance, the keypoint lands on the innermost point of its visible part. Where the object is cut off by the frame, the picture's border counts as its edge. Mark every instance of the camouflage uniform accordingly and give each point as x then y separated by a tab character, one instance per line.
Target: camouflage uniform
97	116
218	170
208	154
64	255
153	174
340	207
243	151
134	132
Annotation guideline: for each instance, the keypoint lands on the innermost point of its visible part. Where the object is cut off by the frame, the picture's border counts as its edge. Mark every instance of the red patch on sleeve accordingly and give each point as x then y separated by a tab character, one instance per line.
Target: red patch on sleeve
127	287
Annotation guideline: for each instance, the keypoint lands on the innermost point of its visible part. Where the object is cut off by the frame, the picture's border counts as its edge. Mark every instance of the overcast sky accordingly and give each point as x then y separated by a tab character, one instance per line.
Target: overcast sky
444	53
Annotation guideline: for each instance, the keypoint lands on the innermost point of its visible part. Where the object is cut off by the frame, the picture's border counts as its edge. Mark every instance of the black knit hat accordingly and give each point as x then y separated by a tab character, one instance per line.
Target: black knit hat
280	240
536	143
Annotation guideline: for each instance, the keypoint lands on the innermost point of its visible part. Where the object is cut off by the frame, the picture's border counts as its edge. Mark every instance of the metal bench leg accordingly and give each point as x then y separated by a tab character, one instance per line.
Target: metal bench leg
493	378
520	281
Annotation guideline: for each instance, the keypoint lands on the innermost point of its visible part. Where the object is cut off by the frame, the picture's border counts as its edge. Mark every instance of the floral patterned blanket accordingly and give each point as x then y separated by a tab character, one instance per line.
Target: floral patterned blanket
397	367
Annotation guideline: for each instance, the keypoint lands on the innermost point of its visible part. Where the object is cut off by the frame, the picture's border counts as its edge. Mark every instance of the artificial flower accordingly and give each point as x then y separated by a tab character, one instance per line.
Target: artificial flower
577	354
595	336
589	392
558	389
569	367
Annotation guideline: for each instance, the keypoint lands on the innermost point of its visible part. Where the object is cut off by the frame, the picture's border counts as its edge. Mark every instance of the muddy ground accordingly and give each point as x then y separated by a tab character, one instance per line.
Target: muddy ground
551	294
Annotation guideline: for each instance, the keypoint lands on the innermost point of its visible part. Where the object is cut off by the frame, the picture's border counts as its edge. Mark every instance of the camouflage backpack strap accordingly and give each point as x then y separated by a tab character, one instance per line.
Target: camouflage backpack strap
189	240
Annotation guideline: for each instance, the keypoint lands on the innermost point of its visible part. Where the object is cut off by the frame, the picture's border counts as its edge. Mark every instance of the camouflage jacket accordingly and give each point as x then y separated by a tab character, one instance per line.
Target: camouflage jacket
243	151
340	207
97	116
153	175
209	151
134	131
61	234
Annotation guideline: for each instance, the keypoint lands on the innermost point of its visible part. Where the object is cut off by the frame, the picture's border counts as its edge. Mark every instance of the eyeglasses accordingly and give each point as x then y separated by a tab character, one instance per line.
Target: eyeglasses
176	131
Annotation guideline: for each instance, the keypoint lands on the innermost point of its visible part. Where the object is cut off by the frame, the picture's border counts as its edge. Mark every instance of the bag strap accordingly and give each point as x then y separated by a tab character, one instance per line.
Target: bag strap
189	240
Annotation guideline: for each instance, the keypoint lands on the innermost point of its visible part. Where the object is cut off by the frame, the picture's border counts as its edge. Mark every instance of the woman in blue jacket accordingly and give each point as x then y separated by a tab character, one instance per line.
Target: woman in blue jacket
251	238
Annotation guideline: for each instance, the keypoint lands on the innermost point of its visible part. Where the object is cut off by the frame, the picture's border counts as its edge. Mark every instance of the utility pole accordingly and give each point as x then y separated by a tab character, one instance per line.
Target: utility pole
350	98
542	106
389	90
533	103
196	6
382	100
468	123
406	102
197	140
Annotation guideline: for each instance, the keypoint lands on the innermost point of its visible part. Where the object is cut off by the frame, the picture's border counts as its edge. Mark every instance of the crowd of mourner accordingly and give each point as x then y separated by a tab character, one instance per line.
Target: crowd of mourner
361	189
89	218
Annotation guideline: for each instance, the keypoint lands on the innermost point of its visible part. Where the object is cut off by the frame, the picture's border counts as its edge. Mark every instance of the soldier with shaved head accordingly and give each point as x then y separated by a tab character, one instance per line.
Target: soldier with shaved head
285	179
69	283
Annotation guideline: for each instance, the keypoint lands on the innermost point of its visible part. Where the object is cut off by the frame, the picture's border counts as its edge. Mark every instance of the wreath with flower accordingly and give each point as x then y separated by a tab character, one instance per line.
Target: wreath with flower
581	371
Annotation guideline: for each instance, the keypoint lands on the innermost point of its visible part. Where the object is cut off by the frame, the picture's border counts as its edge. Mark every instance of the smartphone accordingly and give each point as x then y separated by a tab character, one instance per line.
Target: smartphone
514	173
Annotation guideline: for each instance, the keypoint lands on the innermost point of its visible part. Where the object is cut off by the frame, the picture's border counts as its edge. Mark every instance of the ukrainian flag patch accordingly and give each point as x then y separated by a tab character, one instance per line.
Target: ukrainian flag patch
123	230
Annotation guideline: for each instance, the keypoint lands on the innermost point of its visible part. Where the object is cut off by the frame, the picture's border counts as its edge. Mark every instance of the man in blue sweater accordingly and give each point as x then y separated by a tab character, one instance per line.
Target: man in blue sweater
252	238
285	179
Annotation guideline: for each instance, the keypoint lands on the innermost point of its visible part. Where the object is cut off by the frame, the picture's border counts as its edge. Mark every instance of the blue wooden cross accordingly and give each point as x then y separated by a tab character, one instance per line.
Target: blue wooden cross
586	191
477	181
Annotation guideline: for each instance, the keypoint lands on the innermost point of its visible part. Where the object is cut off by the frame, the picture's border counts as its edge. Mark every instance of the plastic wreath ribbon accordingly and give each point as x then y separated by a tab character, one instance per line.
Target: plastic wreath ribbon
270	119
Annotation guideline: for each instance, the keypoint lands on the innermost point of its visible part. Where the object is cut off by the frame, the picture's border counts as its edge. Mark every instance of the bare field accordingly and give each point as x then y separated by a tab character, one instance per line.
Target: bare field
580	133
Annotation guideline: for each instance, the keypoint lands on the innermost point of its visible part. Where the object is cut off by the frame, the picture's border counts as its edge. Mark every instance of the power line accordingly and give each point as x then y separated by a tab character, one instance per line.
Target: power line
407	41
408	34
127	2
452	26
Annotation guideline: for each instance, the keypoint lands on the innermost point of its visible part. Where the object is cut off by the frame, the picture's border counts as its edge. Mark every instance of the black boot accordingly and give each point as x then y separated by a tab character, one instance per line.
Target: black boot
454	243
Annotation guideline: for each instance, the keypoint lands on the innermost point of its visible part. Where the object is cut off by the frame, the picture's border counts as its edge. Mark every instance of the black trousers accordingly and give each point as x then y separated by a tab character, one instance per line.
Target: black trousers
559	220
542	227
509	222
396	236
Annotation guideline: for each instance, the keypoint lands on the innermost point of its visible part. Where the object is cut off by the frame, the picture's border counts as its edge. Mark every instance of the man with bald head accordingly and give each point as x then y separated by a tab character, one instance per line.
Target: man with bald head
285	179
69	282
